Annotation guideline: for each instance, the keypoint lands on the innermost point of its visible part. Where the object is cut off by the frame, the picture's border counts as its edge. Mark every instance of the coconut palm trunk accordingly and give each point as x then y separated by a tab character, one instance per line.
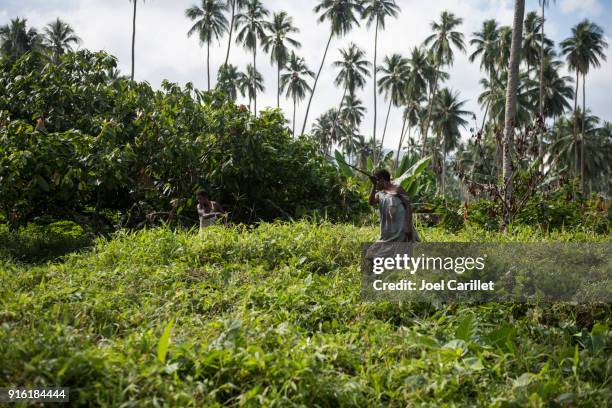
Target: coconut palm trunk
576	125
254	79
208	63
583	139
382	140
375	91
510	114
444	168
293	123
278	69
314	86
231	31
399	146
541	141
429	111
133	38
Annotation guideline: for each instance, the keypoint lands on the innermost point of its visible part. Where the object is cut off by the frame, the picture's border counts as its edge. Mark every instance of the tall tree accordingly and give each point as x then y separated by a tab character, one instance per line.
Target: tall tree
583	50
486	43
543	4
448	118
375	12
228	80
394	83
16	39
250	83
441	44
341	15
59	37
233	6
411	116
251	23
510	114
276	42
556	90
354	69
210	24
532	38
295	81
133	37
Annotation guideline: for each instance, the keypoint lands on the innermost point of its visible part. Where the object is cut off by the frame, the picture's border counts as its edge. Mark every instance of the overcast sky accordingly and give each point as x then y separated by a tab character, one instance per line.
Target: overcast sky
163	50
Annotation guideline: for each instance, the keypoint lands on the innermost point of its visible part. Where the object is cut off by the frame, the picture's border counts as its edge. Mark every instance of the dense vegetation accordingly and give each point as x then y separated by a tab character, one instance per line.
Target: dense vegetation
272	316
113	145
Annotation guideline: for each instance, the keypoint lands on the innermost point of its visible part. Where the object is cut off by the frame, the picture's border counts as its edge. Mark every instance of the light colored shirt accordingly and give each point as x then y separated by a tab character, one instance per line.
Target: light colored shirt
392	217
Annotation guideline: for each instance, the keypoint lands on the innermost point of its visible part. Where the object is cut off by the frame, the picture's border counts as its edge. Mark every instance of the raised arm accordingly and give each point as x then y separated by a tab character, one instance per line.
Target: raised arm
372	198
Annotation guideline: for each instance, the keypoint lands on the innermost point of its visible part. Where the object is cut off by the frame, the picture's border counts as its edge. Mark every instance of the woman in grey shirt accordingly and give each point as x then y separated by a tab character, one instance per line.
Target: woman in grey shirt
394	207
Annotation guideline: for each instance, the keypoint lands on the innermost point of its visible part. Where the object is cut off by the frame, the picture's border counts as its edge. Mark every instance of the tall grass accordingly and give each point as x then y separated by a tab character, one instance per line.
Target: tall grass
272	316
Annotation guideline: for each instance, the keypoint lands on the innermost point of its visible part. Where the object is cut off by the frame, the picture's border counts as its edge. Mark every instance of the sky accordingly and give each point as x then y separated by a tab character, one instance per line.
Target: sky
163	50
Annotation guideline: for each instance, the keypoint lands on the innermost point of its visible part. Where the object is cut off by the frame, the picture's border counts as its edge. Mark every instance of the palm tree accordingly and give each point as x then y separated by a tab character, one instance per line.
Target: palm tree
16	39
233	6
210	24
376	11
251	23
341	17
504	44
412	114
510	114
585	48
250	82
557	91
352	112
276	43
441	42
353	70
543	4
59	36
228	80
494	96
532	40
486	43
394	82
448	116
133	37
295	81
327	130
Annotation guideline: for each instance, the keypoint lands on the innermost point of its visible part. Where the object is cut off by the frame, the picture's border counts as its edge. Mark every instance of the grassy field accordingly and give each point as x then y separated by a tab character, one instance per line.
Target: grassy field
272	316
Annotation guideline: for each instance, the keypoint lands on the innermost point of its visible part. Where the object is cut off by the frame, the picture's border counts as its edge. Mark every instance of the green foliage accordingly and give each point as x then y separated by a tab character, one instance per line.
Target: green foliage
42	241
271	316
120	145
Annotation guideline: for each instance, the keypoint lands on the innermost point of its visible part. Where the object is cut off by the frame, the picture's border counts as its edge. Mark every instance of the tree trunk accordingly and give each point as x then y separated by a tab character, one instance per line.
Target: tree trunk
277	84
576	126
229	41
382	140
429	111
399	146
294	106
314	86
254	79
541	144
510	114
583	139
208	63
444	167
133	38
375	93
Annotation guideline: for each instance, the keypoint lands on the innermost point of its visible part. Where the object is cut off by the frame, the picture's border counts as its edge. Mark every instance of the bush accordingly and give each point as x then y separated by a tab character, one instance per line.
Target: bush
120	145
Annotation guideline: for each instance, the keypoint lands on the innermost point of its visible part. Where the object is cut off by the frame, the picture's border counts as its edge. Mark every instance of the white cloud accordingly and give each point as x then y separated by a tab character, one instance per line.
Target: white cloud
582	7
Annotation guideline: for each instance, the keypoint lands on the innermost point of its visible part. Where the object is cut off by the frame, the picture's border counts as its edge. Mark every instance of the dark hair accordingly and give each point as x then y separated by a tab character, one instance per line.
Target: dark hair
202	193
382	174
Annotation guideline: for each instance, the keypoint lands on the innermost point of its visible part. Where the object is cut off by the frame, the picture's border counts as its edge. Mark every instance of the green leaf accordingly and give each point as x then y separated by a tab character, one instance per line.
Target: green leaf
466	329
406	179
164	342
42	184
344	169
